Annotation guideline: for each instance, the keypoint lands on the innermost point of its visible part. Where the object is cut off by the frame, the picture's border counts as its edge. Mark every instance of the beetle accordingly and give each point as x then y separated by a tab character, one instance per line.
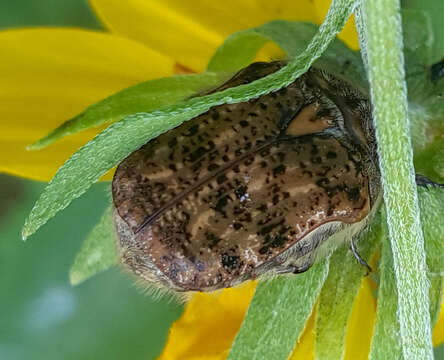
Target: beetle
250	189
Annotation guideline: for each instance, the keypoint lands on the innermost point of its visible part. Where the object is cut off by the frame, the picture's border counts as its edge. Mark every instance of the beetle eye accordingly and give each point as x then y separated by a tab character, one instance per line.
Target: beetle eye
309	120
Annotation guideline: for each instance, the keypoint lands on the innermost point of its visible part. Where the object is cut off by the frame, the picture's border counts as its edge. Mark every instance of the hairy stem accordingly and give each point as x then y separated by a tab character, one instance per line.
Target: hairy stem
381	38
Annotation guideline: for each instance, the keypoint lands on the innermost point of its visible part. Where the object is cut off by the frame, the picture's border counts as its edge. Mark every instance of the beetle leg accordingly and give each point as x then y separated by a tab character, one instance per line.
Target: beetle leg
424	181
301	269
293	269
359	258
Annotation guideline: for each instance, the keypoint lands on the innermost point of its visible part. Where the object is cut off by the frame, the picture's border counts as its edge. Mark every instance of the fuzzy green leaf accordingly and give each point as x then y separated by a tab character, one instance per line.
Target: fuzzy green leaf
339	293
98	252
116	142
277	315
146	96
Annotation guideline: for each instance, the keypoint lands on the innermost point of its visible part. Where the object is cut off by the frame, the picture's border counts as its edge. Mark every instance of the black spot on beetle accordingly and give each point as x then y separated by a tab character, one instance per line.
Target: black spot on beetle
243	123
323	182
240	192
275	199
278	241
229	261
196	154
314	149
237	226
262	208
221	203
212	167
353	194
212	239
267	229
221	179
279	170
316	160
331	155
172	143
192	130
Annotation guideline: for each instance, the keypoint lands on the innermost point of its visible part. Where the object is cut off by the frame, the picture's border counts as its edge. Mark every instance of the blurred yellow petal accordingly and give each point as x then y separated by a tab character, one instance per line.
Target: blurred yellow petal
190	31
50	75
438	331
348	34
208	325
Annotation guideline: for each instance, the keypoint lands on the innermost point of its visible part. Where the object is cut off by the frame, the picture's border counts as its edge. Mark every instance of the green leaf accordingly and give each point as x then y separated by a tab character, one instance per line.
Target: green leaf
434	9
386	342
430	161
240	48
418	43
431	202
98	252
418	36
277	315
339	293
116	142
146	96
426	112
237	51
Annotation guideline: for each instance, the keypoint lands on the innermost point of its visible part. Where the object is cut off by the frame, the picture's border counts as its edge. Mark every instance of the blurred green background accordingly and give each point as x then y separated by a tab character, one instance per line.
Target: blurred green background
107	317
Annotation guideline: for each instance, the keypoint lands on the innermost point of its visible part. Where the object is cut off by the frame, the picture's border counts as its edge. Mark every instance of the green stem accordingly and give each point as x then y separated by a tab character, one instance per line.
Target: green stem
381	39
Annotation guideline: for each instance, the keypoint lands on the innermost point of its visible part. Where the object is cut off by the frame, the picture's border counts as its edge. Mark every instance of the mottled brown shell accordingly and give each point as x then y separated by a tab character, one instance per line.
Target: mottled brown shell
243	188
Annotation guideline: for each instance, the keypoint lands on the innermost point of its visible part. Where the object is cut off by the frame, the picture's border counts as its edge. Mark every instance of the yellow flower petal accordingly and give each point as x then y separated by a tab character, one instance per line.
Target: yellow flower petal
438	331
209	324
305	347
50	75
348	34
190	31
361	323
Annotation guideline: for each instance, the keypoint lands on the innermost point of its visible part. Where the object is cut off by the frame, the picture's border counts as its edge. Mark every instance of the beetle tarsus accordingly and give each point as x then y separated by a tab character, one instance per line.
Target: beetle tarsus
359	258
301	269
293	269
424	181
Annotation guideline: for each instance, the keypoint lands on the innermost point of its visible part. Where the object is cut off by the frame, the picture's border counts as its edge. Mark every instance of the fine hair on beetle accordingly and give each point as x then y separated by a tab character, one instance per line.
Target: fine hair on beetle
247	190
